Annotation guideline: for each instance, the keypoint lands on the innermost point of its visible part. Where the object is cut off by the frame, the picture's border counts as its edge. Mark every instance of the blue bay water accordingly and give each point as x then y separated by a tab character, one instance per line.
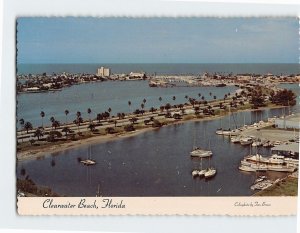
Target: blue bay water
99	96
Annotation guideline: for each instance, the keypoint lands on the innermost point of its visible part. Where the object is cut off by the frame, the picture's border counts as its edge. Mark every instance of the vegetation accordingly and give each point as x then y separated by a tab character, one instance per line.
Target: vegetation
283	97
257	98
28	187
287	187
28	126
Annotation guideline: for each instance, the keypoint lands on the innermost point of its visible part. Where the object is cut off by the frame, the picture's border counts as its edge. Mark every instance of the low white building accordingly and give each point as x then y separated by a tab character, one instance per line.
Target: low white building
289	122
136	75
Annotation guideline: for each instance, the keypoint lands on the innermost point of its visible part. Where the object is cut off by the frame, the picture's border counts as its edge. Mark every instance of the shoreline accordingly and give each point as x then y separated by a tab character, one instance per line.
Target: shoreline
98	139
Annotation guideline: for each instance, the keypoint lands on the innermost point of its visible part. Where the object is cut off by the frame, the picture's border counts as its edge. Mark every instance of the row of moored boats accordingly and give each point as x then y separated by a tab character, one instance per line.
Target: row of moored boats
255	163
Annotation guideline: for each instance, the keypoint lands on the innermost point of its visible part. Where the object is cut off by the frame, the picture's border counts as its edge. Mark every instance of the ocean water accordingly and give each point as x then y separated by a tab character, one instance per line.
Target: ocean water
171	69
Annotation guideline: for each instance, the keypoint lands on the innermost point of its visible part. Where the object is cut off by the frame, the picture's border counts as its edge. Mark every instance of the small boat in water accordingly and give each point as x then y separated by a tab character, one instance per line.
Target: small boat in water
210	172
246	168
198	152
246	141
273	163
195	173
89	161
235	139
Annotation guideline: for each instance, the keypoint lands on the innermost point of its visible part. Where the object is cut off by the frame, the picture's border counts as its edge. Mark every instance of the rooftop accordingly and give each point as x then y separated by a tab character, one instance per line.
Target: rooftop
293	147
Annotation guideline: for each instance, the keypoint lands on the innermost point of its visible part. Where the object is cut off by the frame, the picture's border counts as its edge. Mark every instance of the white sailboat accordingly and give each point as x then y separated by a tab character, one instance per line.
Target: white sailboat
200	172
246	141
210	171
228	132
89	161
199	152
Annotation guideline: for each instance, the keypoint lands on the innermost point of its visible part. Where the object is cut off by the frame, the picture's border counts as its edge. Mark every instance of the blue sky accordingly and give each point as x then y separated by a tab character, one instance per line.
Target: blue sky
157	40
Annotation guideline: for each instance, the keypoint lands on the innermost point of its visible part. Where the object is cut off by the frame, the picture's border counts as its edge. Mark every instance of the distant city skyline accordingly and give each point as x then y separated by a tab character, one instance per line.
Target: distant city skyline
157	40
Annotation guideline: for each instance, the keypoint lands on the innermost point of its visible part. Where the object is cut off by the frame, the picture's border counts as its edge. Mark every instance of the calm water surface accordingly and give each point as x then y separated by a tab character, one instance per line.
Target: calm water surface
99	96
162	68
155	163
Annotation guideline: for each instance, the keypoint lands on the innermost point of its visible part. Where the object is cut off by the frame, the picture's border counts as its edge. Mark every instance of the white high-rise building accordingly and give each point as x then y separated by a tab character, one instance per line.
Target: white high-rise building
103	71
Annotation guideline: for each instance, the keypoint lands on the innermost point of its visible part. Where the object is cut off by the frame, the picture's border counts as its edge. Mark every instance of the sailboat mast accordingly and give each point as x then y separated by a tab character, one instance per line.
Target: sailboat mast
229	118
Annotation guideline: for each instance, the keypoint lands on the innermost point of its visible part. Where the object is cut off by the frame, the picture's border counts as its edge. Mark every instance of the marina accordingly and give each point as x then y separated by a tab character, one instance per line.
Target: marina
166	164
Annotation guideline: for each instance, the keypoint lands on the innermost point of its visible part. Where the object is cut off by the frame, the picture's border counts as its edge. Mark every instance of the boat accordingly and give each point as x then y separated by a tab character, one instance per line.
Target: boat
89	161
273	163
260	179
195	173
201	172
235	139
219	131
228	132
198	152
247	168
246	141
210	172
262	185
256	143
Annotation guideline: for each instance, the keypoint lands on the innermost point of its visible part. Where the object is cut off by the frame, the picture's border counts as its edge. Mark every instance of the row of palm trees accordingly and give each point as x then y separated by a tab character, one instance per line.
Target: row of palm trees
105	115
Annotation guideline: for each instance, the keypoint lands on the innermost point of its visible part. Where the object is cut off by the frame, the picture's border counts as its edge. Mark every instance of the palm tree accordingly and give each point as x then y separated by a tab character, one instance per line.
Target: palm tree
109	110
77	121
133	120
52	119
129	104
192	101
22	122
66	130
142	106
152	109
91	127
225	96
42	114
66	112
78	114
55	124
28	126
119	115
89	112
99	117
168	107
38	133
144	101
